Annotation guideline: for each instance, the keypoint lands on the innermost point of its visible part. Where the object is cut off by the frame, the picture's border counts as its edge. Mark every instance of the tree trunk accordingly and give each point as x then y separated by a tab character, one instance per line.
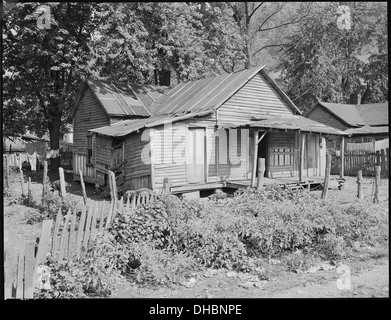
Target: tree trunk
54	134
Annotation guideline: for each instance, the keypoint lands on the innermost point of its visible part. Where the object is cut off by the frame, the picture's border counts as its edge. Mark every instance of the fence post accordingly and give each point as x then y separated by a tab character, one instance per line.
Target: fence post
342	150
62	182
377	184
326	177
261	172
83	187
166	187
21	181
29	192
359	184
6	170
383	163
45	175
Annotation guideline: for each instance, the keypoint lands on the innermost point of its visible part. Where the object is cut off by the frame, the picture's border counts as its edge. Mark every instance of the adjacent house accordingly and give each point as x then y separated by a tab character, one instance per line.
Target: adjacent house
202	134
364	123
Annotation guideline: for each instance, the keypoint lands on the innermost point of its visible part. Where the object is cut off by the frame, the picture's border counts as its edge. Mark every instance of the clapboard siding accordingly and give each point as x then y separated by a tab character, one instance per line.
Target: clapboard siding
323	116
89	115
103	151
137	157
255	99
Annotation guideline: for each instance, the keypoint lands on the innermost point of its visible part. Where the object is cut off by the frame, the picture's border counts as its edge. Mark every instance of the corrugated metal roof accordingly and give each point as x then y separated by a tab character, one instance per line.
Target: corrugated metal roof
348	113
368	130
125	127
202	95
374	114
120	100
294	122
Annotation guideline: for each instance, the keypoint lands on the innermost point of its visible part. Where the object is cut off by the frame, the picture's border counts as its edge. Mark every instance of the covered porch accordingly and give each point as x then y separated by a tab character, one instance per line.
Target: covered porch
298	163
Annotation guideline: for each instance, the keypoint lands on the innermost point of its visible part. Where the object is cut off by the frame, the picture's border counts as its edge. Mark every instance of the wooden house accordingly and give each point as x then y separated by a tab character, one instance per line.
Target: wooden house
364	123
202	134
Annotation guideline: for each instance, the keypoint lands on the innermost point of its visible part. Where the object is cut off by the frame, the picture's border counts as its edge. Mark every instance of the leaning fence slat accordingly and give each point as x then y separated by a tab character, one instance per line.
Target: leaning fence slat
20	276
9	266
102	216
88	224
109	215
72	234
29	270
64	236
80	230
128	203
56	237
120	207
44	242
94	218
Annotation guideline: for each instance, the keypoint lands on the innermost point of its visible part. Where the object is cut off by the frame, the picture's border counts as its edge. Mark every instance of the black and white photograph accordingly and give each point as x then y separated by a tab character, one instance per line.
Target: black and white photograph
192	157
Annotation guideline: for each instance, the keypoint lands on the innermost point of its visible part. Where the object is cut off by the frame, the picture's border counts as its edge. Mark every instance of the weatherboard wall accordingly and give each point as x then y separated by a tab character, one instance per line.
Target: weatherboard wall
89	115
257	98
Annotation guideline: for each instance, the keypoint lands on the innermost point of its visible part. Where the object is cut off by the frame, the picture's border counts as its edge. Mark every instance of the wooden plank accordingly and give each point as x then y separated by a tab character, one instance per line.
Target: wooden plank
102	216
377	184
301	158
88	224
22	180
9	265
80	230
62	182
94	218
120	207
20	275
326	177
72	235
83	187
55	242
45	175
44	243
261	172
29	192
64	236
359	184
108	220
29	270
255	156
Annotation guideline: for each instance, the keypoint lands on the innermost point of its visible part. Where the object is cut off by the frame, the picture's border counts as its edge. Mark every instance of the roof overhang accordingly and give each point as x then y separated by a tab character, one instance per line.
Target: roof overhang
292	123
123	128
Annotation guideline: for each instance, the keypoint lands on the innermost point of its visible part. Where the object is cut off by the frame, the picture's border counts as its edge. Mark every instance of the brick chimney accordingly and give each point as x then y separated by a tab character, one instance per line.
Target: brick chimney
355	98
162	77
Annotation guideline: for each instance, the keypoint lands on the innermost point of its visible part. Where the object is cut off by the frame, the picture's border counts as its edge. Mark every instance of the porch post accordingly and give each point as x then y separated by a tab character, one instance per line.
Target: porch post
342	158
301	160
255	156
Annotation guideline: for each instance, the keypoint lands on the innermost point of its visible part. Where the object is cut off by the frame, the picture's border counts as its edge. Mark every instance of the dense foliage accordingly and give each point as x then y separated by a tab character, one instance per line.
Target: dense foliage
164	242
325	61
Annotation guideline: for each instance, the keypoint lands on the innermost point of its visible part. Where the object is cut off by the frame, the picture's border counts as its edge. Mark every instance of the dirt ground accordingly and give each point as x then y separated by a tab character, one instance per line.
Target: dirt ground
368	278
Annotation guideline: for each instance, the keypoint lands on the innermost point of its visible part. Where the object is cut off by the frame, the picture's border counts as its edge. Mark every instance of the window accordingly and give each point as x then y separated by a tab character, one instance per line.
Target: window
89	149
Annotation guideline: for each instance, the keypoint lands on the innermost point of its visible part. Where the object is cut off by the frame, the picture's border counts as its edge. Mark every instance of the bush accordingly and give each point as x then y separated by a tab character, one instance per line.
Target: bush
53	202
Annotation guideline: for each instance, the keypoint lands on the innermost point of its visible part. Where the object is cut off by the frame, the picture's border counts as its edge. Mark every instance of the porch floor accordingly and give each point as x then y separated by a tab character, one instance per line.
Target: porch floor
310	183
289	182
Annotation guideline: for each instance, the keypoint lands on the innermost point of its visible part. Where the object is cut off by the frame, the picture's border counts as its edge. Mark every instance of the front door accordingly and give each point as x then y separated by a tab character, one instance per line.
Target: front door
196	155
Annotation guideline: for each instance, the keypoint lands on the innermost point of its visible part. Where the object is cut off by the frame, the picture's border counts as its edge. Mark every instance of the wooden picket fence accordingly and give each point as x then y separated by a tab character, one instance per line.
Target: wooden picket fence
68	239
20	266
73	233
364	161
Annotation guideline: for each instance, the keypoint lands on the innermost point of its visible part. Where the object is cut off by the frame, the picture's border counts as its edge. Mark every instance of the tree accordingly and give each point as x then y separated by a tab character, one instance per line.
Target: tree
46	49
264	25
193	40
324	61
